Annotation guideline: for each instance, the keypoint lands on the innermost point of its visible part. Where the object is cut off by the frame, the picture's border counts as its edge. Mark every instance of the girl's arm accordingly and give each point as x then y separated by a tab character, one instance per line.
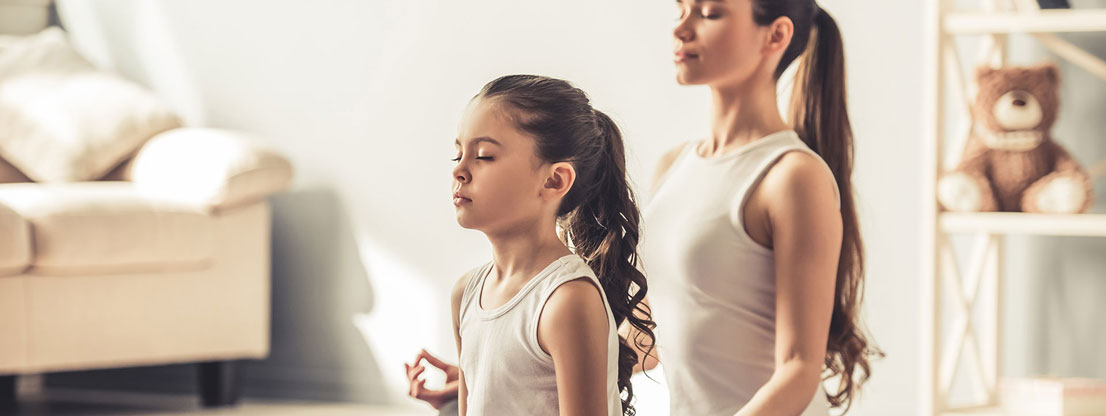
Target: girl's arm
455	301
572	328
806	229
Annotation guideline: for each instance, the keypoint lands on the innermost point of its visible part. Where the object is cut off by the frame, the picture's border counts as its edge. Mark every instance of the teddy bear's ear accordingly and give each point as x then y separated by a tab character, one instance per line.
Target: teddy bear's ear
1050	71
983	71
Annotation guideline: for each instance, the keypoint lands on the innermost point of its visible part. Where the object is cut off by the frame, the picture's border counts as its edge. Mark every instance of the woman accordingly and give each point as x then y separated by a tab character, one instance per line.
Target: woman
751	243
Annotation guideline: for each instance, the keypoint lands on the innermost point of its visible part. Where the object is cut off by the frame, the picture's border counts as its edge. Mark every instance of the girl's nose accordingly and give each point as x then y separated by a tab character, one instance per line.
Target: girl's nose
460	174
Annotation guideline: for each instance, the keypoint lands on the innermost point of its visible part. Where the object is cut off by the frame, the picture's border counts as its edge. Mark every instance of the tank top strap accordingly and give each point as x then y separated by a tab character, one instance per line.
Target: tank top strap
685	150
572	268
767	156
475	277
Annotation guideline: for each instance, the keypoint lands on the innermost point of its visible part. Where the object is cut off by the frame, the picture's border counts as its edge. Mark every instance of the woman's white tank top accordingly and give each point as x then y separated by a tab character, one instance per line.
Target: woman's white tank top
712	288
506	372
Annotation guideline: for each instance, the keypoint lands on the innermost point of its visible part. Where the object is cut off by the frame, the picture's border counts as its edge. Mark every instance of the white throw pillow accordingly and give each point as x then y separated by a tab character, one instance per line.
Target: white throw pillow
62	120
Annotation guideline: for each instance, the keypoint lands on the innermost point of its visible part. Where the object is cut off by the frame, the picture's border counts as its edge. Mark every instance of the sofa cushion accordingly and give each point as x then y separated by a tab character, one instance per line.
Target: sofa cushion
9	173
62	120
15	246
109	227
217	168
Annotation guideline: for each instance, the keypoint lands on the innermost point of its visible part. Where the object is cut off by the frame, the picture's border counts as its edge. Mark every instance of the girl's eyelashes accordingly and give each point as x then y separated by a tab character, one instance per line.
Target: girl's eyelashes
487	158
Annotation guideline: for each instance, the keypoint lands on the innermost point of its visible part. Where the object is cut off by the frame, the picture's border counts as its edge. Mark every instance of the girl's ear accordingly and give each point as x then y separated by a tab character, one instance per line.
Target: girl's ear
779	35
561	177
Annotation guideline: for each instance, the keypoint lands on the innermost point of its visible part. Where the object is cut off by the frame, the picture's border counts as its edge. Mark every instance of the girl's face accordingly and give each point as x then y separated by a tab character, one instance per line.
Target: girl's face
498	180
717	42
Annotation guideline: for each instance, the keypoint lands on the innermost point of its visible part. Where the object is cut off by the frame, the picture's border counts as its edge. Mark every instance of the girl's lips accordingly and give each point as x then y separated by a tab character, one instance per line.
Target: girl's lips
459	199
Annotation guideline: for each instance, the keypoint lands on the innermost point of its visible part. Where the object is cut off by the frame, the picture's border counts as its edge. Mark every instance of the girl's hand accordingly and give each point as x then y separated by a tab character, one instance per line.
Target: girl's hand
417	388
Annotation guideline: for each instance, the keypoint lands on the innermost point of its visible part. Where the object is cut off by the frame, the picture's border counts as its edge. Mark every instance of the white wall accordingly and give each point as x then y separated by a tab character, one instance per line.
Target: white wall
364	97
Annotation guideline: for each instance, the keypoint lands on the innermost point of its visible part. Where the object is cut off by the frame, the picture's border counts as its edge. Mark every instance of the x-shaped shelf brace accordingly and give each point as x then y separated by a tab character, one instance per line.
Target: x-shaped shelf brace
963	289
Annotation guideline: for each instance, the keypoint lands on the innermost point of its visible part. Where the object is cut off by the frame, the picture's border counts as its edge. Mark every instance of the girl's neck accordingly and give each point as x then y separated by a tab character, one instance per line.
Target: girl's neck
523	251
741	114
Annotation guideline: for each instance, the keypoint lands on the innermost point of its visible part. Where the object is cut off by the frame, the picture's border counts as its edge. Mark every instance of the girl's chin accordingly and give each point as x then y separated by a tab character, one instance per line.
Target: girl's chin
465	222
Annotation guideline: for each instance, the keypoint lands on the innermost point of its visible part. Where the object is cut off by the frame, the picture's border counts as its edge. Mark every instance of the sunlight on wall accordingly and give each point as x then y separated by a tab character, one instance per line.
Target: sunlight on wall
395	327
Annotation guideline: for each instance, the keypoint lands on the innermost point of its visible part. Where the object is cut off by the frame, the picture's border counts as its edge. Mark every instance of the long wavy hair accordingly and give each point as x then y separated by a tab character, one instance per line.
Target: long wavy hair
818	114
598	217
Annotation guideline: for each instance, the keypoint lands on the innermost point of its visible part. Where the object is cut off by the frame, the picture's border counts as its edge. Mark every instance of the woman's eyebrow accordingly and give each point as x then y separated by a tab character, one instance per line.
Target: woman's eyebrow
480	139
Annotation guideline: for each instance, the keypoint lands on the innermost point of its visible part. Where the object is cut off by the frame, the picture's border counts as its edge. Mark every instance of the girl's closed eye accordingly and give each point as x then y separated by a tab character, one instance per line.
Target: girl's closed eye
487	158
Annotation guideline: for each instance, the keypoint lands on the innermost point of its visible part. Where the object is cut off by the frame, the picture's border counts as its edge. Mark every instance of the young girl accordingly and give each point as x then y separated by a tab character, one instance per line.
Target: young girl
537	326
751	240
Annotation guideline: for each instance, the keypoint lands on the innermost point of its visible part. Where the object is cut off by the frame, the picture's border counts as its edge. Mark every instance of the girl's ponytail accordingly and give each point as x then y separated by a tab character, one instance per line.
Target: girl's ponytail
604	231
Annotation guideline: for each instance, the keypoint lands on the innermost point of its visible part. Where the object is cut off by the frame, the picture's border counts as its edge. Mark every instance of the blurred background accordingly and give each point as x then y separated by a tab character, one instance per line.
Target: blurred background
363	99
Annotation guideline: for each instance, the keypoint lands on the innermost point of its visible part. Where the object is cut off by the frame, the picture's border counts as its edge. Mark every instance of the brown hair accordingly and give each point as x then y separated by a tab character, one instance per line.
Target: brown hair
819	115
598	216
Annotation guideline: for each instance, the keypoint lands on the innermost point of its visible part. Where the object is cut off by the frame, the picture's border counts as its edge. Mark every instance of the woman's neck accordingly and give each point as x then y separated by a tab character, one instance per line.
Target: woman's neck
526	249
741	114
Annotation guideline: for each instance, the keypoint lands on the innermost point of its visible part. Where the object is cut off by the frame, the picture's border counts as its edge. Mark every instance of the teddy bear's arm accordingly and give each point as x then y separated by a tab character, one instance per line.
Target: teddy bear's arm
967	188
1065	163
1066	190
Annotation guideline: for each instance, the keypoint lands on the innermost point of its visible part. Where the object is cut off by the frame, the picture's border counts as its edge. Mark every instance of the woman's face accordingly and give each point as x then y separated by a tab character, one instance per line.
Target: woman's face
717	42
497	180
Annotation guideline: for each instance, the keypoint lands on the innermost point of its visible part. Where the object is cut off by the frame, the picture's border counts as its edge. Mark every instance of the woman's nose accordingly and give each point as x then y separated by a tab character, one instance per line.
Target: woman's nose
683	31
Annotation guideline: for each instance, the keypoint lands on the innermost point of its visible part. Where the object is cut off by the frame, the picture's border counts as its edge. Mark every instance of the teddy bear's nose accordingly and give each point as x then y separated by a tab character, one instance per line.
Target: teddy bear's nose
1019	102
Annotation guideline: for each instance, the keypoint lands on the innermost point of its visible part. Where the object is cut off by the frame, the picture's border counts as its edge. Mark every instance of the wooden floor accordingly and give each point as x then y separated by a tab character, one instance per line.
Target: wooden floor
55	402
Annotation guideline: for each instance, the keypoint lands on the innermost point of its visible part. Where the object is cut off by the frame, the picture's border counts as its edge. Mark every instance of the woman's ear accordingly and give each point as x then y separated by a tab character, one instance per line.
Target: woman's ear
780	33
561	177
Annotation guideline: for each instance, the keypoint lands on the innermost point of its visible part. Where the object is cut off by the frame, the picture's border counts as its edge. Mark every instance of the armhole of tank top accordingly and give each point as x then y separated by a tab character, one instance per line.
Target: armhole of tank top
532	332
690	144
738	216
475	276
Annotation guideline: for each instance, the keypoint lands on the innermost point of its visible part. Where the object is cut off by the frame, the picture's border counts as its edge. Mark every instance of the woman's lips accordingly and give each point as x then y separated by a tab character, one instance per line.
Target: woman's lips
682	56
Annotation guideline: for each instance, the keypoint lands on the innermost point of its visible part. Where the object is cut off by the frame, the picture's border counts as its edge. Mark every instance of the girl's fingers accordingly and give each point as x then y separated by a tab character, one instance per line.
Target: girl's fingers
434	361
418	370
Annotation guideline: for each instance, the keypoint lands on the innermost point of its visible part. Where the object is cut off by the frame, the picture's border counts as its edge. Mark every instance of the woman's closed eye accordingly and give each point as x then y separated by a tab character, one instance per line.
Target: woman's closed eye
703	14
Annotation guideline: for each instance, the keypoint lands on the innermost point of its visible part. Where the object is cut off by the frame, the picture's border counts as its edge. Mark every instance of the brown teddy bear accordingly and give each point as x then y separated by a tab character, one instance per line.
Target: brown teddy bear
1010	161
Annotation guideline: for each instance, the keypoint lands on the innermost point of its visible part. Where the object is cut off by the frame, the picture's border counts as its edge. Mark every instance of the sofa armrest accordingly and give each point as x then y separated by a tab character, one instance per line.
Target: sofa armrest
211	167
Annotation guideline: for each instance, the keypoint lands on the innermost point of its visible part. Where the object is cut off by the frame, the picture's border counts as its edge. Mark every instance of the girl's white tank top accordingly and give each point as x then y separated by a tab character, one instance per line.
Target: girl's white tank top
506	371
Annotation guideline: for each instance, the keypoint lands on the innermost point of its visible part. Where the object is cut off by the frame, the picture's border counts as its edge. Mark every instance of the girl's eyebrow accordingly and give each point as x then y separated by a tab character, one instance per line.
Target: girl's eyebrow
480	139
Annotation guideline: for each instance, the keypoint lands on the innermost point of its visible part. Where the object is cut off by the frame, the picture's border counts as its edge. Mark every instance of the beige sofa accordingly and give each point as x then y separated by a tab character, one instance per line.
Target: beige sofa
165	261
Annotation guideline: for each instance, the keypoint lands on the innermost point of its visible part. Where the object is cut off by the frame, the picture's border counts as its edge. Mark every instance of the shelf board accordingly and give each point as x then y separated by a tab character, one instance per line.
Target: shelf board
1044	21
979	411
1086	225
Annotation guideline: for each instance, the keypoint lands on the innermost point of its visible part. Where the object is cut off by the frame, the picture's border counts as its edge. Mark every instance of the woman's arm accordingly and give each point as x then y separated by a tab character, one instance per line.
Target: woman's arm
455	301
806	230
649	361
572	328
630	333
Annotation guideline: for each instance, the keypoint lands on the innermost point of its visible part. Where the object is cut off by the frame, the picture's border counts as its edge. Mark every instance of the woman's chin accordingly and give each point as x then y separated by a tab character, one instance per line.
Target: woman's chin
685	78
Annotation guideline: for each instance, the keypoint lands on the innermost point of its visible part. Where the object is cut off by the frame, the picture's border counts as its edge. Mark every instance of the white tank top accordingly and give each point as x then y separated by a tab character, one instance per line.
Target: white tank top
712	288
506	371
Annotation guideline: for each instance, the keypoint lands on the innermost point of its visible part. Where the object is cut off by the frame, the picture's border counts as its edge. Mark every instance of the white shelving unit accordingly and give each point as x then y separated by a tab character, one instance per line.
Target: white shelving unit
978	343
